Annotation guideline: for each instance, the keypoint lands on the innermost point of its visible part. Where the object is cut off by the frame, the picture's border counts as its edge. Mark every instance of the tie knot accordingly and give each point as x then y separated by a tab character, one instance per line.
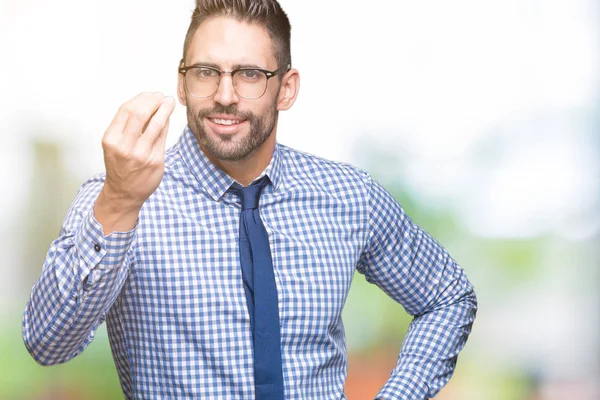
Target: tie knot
250	195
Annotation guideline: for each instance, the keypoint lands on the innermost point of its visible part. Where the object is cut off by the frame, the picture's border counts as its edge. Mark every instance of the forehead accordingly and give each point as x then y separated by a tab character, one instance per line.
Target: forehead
227	42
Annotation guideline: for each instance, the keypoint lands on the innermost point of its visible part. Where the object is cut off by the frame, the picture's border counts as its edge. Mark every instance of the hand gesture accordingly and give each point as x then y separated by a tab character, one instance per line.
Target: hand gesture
134	156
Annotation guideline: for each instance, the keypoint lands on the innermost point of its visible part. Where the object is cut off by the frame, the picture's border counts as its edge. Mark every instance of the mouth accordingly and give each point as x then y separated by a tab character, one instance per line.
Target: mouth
225	125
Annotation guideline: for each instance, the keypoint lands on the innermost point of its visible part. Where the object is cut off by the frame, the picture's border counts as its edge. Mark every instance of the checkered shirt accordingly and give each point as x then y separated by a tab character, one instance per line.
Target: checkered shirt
173	299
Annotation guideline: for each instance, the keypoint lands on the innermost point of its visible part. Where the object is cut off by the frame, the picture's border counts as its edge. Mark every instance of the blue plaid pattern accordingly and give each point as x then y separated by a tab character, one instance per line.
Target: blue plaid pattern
172	295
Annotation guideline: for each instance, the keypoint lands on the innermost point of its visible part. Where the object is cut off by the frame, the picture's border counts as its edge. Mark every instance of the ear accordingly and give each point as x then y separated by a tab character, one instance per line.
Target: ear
181	89
290	85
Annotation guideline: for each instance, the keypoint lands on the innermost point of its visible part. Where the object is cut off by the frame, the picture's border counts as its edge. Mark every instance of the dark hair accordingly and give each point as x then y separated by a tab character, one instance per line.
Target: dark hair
267	13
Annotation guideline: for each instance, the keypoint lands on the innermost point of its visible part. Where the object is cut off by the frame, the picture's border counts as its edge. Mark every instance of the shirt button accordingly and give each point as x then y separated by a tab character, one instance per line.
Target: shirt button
97	247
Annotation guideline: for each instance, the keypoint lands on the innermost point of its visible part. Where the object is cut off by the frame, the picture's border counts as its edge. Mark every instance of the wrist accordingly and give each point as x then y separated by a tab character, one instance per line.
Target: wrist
118	202
115	213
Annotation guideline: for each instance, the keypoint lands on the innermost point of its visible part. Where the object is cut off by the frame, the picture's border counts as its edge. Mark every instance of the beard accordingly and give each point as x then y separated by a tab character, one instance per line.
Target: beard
225	148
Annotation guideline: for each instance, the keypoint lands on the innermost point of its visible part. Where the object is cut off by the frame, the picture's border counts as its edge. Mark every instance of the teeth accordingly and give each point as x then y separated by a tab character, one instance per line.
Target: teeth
226	121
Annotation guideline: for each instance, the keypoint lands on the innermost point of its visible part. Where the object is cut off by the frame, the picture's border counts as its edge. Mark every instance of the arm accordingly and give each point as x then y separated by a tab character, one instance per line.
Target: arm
416	271
87	266
82	276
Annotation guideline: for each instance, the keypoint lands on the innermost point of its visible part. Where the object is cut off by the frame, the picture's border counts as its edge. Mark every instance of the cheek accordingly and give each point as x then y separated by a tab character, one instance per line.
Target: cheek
266	107
196	106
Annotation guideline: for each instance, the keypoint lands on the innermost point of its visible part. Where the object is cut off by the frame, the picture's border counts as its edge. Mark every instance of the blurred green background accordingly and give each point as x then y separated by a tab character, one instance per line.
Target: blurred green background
484	125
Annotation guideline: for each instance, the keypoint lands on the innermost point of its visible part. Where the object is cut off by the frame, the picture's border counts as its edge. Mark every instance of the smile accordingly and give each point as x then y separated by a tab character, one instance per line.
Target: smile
226	126
225	122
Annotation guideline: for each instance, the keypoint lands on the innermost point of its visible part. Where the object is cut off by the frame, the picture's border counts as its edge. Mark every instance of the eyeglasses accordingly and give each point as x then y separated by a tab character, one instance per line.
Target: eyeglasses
250	83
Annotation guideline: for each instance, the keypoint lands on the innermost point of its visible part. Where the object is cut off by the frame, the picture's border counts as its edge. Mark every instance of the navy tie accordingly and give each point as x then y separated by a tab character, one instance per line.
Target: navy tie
261	294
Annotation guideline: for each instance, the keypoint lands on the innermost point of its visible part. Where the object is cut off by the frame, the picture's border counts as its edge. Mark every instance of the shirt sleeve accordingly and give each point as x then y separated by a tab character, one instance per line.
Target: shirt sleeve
416	271
82	276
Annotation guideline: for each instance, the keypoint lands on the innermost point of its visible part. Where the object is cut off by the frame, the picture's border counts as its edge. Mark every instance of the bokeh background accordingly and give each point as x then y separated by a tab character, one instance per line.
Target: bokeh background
481	117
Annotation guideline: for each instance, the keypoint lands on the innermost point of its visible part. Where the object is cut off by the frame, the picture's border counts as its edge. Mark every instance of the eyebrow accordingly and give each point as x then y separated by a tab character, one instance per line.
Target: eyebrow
216	66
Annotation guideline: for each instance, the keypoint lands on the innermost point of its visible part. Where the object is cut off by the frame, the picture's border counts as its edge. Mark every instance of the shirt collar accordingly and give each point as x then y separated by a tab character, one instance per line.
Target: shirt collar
214	180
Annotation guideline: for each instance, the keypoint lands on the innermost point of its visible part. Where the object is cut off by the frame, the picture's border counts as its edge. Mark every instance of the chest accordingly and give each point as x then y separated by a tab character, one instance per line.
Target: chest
187	262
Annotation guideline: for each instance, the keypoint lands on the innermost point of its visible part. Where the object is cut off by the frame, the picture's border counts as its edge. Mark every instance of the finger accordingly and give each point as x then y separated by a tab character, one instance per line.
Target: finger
117	126
140	110
158	122
157	151
161	141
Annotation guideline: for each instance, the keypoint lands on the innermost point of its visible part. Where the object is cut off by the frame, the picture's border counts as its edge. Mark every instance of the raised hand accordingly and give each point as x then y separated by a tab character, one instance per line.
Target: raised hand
134	157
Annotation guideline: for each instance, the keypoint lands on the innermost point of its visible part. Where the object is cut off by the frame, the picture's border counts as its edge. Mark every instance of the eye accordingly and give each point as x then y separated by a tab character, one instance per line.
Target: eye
250	74
205	73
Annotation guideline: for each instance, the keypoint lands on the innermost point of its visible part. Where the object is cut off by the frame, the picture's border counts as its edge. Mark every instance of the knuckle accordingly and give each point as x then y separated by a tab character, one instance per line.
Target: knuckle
138	154
154	97
107	142
125	107
141	115
123	153
156	124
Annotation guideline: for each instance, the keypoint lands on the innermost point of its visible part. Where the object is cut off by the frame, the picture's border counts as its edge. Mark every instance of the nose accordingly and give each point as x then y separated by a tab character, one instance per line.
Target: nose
226	94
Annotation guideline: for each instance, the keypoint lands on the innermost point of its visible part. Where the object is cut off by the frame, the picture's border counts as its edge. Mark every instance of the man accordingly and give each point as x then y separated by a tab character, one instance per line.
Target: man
222	266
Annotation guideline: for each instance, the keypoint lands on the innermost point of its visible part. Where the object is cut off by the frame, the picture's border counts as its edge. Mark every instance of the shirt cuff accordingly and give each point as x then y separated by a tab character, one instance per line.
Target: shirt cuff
403	385
98	251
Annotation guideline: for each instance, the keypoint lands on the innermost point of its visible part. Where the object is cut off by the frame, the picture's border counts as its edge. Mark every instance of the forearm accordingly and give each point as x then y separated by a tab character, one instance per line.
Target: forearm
415	270
430	350
81	278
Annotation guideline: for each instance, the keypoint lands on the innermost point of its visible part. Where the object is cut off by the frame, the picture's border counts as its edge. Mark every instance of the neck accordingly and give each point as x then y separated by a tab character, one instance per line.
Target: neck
247	170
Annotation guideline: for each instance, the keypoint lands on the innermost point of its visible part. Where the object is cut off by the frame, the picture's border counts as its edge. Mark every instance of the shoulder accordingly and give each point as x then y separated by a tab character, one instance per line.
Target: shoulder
306	168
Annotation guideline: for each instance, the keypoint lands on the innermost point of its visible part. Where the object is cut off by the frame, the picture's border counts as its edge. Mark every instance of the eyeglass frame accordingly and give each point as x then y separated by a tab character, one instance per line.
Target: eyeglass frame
183	69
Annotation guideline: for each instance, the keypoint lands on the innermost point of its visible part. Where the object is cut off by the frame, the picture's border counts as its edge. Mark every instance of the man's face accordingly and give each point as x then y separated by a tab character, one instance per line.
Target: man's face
227	126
